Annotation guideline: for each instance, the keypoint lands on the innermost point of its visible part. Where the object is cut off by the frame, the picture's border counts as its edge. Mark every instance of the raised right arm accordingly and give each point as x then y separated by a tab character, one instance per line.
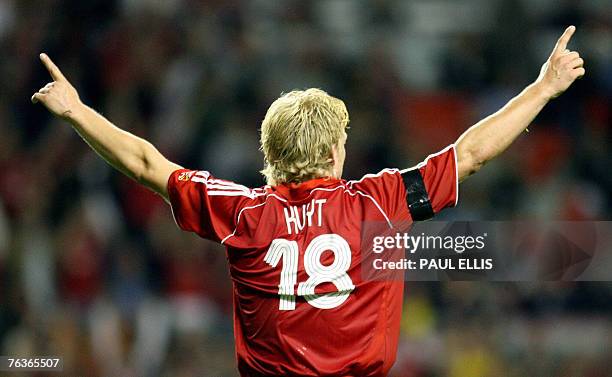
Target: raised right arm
492	135
133	156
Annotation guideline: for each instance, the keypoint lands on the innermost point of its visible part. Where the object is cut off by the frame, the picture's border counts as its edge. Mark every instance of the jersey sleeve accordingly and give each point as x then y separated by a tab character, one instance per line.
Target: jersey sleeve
433	184
386	190
204	204
420	192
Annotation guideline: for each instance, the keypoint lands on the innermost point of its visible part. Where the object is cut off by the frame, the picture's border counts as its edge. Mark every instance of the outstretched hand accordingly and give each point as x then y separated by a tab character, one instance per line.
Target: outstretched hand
58	96
563	66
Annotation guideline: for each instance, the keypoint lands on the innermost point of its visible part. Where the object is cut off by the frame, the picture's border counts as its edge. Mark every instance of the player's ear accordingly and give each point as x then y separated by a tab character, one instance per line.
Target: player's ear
335	153
334	158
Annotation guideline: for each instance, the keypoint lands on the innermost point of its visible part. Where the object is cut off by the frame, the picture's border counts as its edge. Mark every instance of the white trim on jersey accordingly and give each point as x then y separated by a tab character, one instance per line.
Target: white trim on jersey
198	179
238	219
456	175
374	175
377	206
251	207
234	193
219	187
351	192
202	173
424	162
326	189
281	199
227	187
220	182
348	190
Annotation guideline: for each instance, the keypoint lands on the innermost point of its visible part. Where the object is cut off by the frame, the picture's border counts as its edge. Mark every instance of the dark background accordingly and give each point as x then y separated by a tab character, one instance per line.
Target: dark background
93	268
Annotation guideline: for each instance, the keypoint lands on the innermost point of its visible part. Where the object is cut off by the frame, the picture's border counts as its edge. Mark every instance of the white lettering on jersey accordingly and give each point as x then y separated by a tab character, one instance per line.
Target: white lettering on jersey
295	222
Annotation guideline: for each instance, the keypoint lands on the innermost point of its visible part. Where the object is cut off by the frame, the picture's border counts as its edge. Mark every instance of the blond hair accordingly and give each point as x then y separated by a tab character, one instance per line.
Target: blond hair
298	133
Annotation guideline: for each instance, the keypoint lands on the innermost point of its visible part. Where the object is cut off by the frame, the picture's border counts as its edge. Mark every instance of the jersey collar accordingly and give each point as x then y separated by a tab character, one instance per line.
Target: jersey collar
299	190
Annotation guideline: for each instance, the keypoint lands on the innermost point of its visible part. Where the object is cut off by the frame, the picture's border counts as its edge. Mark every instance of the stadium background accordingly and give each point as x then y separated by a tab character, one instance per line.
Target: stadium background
93	268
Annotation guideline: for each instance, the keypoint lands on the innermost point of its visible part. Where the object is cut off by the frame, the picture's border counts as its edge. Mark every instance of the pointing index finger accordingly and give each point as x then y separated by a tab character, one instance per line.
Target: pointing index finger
564	40
55	72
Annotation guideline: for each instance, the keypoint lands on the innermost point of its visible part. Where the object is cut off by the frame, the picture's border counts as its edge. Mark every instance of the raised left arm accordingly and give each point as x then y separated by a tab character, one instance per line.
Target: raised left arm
128	153
492	135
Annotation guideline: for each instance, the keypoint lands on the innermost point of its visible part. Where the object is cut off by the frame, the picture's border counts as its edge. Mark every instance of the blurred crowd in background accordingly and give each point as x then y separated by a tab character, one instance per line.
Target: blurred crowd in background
93	267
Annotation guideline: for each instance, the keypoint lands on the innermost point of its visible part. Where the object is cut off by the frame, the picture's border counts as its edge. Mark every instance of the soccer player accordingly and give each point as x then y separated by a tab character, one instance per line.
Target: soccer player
301	306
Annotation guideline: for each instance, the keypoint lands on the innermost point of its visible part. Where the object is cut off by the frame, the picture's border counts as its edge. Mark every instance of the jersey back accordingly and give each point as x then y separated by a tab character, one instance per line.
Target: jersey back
302	304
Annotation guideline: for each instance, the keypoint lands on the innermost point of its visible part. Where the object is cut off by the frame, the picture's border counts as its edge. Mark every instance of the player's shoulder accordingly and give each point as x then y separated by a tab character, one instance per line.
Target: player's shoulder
216	187
387	173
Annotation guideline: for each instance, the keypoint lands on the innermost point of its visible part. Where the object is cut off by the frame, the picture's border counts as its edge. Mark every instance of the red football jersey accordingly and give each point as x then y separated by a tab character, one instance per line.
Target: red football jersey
301	305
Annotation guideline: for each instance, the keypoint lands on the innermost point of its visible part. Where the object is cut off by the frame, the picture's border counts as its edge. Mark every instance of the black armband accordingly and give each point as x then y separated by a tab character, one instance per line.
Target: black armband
416	196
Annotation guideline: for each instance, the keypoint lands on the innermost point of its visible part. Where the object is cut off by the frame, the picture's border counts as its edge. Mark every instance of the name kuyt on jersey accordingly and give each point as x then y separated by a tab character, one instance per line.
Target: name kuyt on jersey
301	305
